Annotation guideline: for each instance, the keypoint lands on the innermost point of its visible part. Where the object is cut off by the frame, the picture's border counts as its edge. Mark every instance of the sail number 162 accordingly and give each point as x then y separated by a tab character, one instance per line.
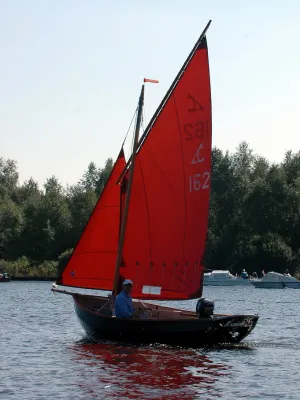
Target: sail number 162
199	181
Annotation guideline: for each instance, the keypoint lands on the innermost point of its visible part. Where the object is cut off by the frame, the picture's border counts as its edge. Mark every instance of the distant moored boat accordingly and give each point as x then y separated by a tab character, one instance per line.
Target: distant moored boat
275	280
224	278
4	277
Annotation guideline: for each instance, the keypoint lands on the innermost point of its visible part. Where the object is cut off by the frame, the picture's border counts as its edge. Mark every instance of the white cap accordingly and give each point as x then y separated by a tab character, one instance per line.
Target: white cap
128	282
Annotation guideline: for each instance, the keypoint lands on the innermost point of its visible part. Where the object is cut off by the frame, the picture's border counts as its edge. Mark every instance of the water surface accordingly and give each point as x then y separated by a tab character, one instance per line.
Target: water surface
45	355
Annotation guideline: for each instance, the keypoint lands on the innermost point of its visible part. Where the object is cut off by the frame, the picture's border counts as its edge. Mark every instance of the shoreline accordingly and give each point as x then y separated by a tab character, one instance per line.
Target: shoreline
29	278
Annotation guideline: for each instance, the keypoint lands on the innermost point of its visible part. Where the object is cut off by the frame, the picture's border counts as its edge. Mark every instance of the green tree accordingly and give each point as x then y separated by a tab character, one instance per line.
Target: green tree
11	222
81	204
254	219
90	177
103	175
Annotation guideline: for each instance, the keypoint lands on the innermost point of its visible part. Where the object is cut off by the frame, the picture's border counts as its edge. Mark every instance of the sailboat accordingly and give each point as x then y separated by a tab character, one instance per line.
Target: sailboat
150	226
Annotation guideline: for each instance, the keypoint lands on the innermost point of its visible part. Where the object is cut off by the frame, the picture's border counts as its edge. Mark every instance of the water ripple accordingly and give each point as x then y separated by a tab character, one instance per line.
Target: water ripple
45	354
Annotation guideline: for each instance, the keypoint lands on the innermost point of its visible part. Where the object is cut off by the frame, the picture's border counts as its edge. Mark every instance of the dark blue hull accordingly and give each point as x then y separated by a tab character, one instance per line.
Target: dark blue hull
190	331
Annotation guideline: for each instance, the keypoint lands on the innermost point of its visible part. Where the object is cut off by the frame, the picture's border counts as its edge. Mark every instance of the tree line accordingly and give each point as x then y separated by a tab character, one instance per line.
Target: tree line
254	220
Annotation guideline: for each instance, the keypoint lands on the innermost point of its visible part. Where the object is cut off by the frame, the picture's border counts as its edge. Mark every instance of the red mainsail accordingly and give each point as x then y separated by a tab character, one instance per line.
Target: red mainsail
92	264
168	214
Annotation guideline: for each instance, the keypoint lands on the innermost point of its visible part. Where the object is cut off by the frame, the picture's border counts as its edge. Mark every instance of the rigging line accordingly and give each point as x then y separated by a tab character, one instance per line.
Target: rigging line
132	142
144	120
134	114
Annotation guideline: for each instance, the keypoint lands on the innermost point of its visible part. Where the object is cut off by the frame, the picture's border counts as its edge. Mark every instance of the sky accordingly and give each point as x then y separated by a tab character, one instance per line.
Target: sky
71	72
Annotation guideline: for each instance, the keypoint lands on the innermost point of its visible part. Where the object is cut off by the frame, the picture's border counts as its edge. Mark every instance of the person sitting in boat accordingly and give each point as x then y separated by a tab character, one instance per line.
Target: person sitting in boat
244	274
287	273
123	303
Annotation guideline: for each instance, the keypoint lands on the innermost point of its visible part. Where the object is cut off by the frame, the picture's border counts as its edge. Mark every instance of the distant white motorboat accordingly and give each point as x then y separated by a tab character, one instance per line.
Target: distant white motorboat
224	278
274	280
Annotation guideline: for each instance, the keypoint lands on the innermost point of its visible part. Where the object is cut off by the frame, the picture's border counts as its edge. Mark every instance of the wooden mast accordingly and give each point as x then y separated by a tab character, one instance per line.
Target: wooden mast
129	186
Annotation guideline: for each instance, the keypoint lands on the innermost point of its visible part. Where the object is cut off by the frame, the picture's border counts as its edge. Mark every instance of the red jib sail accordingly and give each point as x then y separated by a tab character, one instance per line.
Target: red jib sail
168	214
92	264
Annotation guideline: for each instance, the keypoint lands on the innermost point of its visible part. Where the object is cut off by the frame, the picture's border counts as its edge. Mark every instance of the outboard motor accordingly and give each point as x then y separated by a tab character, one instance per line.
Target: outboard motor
205	308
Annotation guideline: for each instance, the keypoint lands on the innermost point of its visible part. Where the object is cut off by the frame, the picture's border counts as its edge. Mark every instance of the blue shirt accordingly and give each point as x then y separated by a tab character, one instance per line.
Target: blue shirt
123	305
244	275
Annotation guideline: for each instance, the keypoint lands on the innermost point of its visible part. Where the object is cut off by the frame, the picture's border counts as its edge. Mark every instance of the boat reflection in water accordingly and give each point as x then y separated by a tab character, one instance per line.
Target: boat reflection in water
116	371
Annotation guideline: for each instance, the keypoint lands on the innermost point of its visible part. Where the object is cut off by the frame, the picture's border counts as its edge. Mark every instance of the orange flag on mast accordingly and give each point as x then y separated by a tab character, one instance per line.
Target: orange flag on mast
150	80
